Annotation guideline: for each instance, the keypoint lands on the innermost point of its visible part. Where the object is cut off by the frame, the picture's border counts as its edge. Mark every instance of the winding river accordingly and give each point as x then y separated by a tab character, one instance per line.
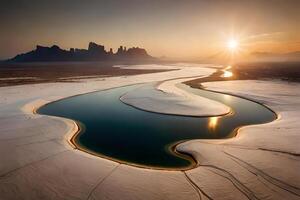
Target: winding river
114	130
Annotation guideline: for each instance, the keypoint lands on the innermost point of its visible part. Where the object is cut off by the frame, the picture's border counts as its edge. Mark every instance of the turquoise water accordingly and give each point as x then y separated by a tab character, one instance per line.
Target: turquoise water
121	132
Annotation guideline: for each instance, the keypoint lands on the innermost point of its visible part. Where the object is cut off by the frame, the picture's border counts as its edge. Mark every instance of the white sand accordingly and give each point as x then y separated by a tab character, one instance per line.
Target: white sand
36	162
263	160
166	98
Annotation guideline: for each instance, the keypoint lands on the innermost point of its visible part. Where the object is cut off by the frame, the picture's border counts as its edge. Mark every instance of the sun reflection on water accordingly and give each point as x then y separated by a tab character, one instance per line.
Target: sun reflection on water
227	73
212	123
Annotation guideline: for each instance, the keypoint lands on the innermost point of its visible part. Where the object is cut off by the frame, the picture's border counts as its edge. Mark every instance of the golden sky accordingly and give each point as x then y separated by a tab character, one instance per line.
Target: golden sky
173	28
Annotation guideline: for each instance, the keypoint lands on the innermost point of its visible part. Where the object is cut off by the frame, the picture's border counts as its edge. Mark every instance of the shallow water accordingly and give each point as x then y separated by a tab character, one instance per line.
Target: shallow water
121	132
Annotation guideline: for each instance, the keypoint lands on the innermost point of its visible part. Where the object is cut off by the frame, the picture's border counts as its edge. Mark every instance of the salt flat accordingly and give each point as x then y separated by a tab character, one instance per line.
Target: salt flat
37	162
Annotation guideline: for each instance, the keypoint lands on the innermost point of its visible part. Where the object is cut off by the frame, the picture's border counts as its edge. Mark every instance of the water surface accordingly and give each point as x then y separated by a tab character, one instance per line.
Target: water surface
121	132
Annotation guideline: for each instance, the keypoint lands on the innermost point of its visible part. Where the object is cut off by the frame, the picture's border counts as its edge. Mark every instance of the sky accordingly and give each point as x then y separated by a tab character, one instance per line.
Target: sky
173	28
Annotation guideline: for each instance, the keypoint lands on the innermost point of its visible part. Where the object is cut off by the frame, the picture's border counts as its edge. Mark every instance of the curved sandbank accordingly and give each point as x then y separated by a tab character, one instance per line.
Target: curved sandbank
167	98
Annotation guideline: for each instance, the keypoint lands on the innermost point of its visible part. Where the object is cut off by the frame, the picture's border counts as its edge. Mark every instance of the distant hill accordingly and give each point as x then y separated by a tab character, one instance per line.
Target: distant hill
94	52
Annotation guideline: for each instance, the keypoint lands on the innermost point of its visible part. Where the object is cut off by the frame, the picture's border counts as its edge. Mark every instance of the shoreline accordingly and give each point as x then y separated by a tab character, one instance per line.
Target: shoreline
78	127
76	131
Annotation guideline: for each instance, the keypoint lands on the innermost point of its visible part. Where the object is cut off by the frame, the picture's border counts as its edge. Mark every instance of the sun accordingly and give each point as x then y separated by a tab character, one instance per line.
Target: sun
232	44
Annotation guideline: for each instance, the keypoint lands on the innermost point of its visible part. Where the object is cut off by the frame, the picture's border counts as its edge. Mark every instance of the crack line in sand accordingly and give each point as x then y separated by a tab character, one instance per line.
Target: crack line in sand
22	137
289	155
238	184
283	152
263	181
258	148
196	187
101	181
54	140
193	185
31	163
281	184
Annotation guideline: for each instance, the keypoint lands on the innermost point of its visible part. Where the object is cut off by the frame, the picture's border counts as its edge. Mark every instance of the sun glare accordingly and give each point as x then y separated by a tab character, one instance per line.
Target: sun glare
232	44
226	72
212	123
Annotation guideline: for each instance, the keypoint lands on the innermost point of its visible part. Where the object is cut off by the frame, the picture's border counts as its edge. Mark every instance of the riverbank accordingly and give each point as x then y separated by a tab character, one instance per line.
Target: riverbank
261	162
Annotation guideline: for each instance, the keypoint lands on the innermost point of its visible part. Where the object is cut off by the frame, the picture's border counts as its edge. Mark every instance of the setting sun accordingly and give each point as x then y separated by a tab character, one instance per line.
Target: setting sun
232	44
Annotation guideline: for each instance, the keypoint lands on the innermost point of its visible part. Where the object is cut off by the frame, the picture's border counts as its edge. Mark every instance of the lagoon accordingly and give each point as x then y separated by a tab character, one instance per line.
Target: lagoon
114	130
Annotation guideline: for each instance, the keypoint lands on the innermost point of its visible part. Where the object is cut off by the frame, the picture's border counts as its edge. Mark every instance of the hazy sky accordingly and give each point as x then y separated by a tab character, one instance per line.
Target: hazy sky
175	28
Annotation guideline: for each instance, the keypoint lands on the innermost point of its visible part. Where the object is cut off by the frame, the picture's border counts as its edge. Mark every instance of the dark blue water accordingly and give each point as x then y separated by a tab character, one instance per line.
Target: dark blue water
121	132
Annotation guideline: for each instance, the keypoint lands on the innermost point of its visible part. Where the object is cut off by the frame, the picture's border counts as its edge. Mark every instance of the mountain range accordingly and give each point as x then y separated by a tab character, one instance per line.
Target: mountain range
95	52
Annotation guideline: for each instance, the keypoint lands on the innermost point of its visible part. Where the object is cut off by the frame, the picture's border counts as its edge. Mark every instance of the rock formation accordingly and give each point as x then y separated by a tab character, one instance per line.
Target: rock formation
94	52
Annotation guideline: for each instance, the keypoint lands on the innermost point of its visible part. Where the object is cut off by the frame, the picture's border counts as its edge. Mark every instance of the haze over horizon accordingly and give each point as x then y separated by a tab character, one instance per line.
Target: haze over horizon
179	29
